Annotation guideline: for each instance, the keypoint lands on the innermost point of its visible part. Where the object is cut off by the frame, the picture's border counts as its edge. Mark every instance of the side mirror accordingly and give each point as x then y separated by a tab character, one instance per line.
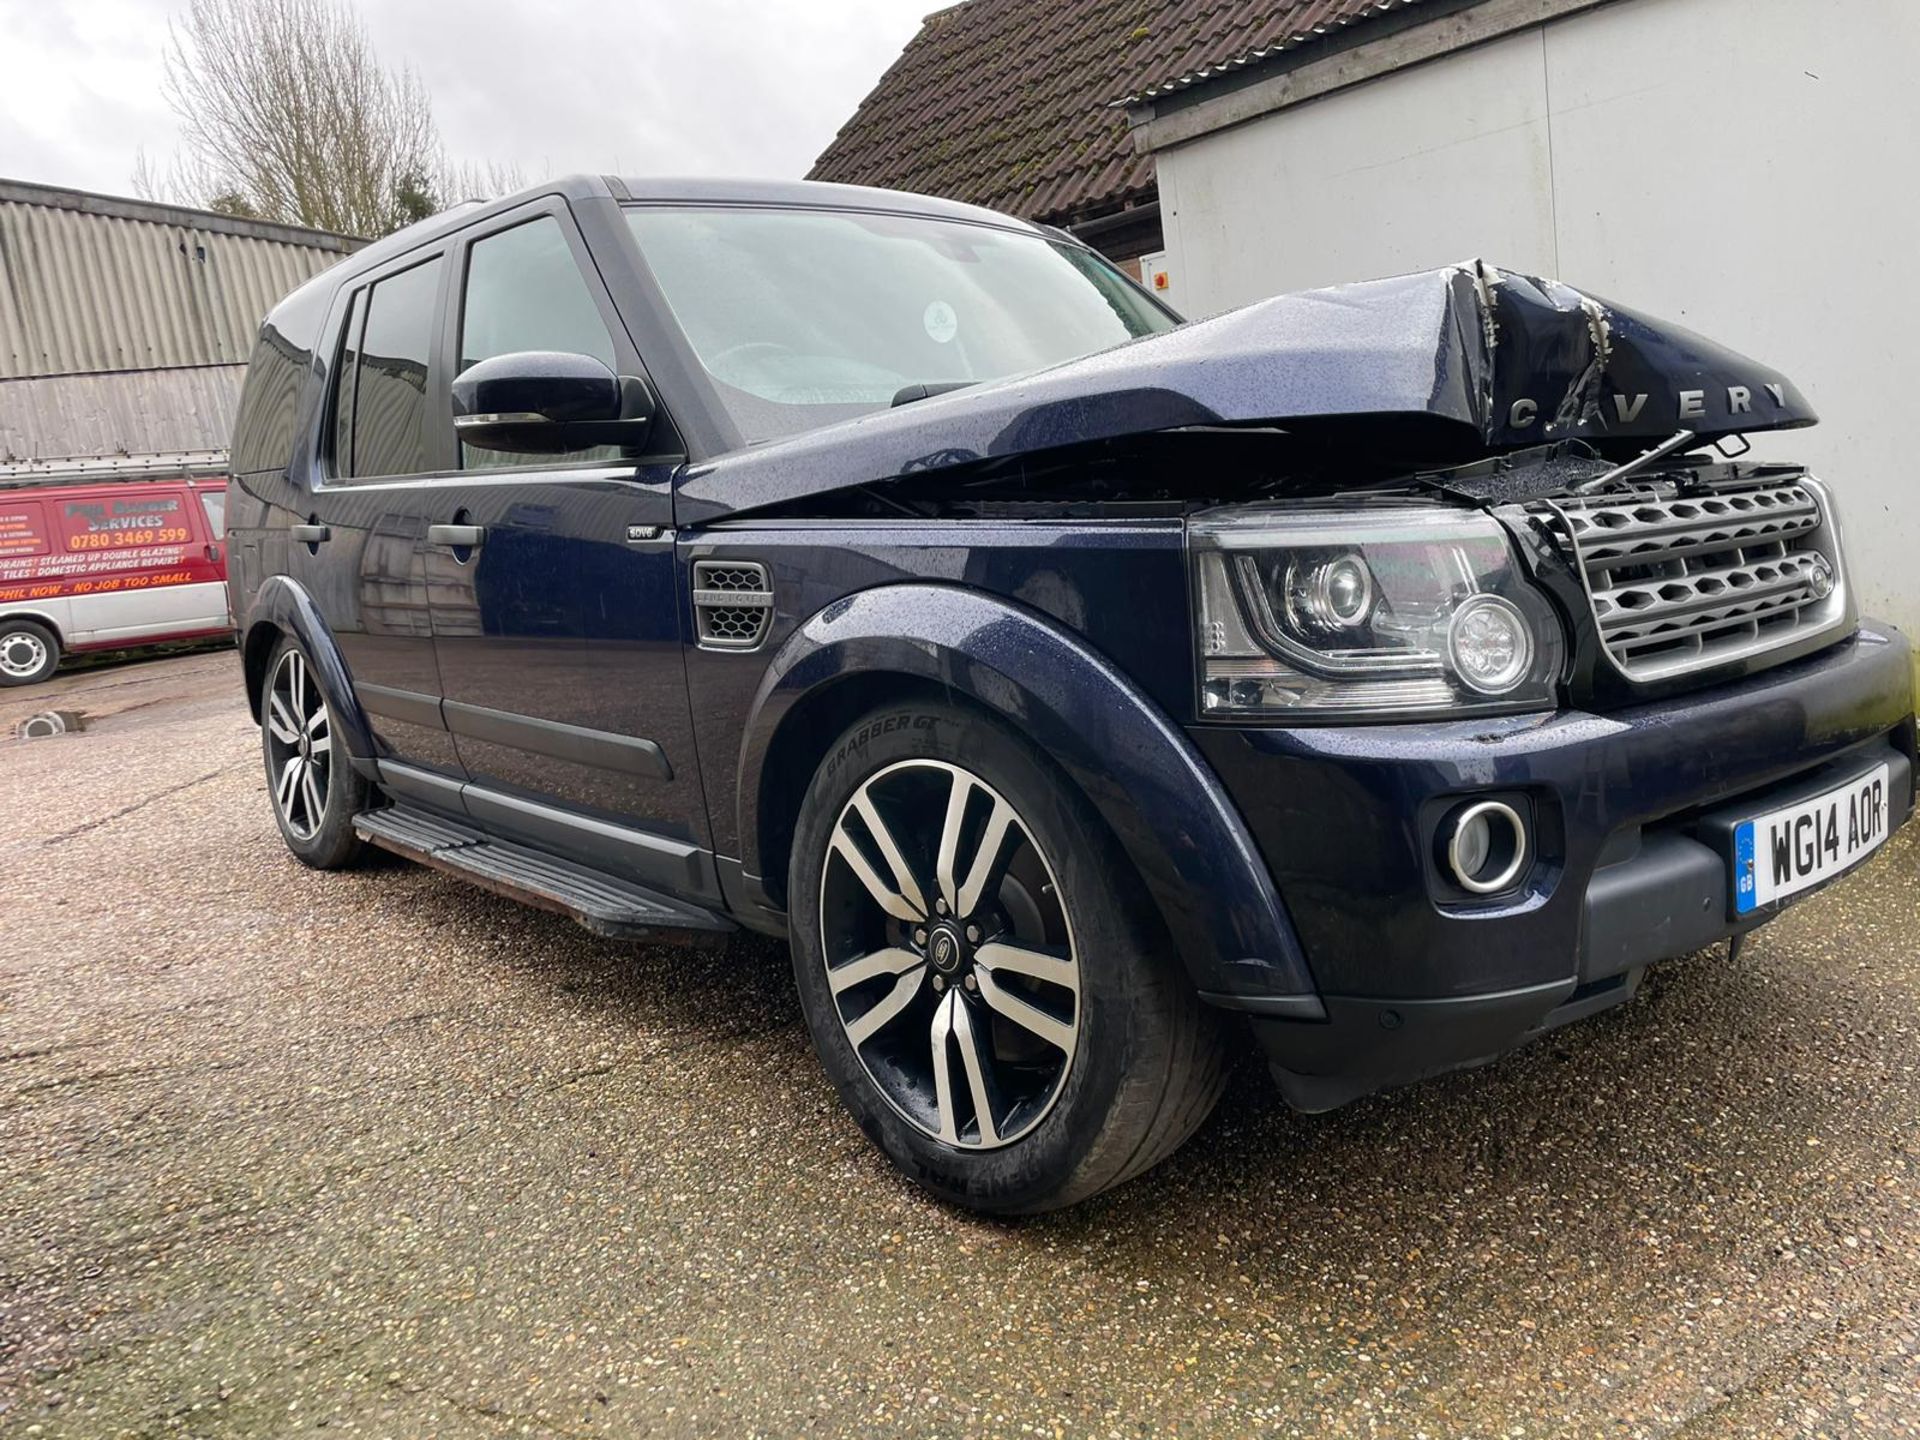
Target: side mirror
542	402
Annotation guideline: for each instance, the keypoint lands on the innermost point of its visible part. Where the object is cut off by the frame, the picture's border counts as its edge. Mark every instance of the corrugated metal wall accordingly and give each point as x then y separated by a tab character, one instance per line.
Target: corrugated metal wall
89	283
141	412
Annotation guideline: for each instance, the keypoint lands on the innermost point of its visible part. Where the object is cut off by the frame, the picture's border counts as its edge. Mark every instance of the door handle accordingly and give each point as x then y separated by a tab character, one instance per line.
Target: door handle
308	534
460	537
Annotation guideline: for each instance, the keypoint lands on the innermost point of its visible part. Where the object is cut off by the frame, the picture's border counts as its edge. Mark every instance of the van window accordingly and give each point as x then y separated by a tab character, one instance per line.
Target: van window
525	292
23	528
127	518
214	502
390	375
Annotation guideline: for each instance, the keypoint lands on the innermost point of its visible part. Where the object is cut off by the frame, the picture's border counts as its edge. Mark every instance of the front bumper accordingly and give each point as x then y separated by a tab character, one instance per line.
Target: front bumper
1630	812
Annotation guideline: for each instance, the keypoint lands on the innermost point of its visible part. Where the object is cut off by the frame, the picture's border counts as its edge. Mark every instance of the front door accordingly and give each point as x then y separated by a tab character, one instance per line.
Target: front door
551	583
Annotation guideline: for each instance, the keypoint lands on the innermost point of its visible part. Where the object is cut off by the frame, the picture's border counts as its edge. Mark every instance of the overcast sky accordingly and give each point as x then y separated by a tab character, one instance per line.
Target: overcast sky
664	87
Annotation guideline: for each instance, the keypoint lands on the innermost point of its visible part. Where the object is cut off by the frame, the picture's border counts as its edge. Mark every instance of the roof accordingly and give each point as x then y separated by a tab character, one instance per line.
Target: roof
1243	35
649	189
92	283
1011	103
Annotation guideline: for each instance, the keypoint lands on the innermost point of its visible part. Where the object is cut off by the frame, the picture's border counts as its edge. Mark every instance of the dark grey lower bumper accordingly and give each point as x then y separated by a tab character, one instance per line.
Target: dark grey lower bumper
1664	892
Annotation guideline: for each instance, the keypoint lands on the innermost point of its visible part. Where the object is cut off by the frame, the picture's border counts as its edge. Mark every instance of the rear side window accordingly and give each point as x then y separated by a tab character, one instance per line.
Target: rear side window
263	432
384	402
214	502
346	373
525	292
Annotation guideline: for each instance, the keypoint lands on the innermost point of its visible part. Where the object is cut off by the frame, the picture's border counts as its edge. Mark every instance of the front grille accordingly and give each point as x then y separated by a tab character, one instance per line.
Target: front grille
732	603
1686	580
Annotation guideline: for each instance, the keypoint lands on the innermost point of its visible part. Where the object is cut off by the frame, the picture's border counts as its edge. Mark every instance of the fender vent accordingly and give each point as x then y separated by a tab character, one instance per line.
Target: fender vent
732	603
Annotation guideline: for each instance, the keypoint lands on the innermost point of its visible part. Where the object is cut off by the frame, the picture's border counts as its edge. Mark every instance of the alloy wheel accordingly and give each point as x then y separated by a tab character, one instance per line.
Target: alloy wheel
949	955
299	746
22	654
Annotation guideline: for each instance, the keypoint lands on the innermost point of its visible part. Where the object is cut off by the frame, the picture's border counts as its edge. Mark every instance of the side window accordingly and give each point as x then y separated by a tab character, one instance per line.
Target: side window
525	292
346	373
214	502
390	375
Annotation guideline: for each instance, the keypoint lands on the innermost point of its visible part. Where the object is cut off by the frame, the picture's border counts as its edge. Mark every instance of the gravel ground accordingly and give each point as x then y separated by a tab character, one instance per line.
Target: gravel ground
380	1153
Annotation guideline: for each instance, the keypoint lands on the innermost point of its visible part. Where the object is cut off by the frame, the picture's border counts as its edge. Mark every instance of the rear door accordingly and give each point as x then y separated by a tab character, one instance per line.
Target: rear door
556	631
360	551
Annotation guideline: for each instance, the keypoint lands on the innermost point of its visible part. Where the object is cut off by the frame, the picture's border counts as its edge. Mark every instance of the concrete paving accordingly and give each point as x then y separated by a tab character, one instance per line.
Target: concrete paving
380	1154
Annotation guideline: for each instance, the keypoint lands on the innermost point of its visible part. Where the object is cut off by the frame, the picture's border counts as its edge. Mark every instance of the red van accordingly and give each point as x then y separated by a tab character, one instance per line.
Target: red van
103	567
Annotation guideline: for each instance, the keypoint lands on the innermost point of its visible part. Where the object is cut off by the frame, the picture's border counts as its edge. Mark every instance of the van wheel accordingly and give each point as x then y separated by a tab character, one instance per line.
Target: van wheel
29	653
989	991
314	790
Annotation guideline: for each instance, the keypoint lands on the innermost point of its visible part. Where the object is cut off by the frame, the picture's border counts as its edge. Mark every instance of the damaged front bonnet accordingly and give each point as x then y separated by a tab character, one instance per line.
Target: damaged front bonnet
1487	357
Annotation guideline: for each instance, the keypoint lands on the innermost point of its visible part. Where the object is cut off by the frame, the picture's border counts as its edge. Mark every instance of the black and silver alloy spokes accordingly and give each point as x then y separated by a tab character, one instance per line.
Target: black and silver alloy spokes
949	955
299	745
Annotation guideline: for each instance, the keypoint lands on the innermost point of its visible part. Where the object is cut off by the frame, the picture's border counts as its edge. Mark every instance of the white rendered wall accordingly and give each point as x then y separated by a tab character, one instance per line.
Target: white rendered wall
1748	168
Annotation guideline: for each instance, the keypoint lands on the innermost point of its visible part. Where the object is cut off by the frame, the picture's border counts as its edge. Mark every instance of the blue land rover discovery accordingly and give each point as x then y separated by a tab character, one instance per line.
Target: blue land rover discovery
1393	671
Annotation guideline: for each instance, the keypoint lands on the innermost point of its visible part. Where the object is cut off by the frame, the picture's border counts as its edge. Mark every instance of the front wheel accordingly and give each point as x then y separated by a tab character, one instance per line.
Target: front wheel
993	998
29	652
314	788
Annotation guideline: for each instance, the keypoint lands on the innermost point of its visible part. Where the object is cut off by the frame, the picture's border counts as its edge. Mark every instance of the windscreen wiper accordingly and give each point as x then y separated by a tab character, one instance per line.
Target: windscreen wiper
907	394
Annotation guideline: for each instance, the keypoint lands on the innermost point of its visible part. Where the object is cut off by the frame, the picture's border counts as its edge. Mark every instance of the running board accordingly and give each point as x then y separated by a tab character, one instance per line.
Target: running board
605	904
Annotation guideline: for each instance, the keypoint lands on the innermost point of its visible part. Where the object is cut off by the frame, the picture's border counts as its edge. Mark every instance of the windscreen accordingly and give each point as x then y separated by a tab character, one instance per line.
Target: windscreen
805	317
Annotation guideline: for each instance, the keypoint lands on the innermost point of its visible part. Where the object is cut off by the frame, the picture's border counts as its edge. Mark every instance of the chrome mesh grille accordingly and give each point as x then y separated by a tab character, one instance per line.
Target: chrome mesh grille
1683	581
732	603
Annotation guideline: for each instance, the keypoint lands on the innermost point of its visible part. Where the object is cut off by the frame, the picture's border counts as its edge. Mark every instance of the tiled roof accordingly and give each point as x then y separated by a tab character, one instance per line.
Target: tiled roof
1011	103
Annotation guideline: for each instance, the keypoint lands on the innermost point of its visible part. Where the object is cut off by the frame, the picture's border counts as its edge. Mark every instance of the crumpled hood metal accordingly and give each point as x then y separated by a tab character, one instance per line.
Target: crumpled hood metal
1517	361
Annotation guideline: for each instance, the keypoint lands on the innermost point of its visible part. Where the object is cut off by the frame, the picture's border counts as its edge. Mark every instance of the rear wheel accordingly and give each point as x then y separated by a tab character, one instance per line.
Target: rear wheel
29	652
990	994
314	789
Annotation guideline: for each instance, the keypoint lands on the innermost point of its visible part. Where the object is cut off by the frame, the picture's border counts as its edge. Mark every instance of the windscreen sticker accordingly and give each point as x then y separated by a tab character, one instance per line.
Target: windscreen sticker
942	324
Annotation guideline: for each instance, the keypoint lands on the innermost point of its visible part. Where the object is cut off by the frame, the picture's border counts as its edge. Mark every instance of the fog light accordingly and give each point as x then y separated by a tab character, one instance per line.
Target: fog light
1490	644
1486	846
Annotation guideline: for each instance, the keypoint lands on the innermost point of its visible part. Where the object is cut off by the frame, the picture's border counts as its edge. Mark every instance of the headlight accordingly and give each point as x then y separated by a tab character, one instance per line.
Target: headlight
1377	611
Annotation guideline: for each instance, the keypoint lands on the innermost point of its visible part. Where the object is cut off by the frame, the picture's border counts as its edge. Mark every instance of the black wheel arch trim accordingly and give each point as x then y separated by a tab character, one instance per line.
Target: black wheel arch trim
285	607
1138	769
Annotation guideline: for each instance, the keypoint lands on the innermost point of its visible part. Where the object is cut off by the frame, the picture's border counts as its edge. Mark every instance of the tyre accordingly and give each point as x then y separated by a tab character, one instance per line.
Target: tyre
990	992
29	652
314	791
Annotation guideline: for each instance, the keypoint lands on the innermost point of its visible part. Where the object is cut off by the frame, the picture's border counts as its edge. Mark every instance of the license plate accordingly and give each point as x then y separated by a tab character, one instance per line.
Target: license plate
1784	852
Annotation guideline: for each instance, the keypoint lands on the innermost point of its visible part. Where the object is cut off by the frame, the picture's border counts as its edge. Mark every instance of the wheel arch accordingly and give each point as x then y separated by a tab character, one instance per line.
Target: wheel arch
41	618
281	608
1137	769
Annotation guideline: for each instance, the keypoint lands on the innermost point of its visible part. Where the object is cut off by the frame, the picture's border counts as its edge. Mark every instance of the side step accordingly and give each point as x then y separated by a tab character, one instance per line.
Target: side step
606	905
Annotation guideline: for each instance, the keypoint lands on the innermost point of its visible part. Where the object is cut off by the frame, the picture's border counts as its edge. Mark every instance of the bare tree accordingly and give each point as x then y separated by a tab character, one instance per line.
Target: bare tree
287	114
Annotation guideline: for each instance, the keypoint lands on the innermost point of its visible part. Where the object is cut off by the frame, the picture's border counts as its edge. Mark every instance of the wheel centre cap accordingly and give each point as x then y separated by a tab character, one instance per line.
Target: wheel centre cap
946	950
306	748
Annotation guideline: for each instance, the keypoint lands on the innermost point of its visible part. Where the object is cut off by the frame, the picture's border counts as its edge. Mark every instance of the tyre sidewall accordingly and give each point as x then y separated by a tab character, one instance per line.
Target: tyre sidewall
1111	939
